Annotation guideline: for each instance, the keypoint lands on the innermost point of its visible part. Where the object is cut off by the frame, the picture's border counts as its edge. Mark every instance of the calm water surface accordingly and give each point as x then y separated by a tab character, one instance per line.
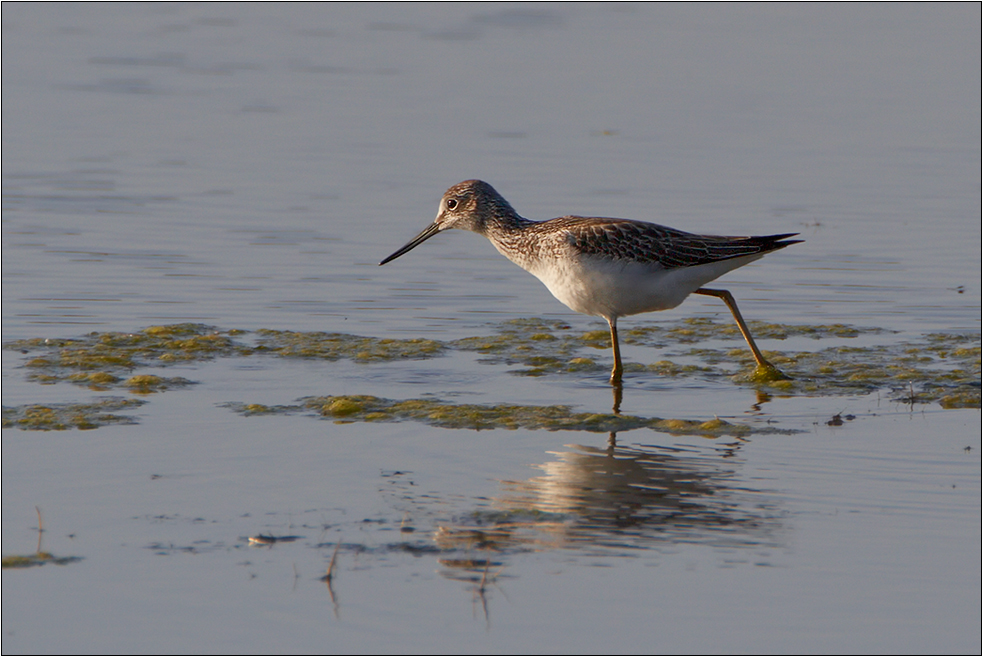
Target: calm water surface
247	166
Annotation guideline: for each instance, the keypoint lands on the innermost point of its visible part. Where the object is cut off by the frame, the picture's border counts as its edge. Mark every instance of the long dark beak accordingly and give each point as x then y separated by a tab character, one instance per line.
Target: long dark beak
427	233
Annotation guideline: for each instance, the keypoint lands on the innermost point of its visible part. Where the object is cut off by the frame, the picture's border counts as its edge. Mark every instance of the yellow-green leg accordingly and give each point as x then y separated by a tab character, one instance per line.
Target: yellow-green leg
618	369
728	298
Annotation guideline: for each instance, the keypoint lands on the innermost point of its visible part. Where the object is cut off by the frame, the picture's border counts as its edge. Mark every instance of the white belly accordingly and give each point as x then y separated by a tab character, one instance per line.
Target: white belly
611	288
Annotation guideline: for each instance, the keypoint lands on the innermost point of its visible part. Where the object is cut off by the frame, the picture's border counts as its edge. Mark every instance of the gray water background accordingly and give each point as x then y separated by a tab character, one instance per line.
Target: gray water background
247	166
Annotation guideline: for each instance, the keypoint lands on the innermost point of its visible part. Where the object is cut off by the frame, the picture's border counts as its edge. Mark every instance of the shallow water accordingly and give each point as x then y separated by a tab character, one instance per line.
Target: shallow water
247	166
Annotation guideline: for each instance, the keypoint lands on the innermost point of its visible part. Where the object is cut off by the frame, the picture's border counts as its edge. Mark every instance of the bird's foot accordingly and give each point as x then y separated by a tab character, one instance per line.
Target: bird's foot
765	372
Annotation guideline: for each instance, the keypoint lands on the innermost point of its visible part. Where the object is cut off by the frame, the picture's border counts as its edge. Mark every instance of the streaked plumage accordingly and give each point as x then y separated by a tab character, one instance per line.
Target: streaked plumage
598	266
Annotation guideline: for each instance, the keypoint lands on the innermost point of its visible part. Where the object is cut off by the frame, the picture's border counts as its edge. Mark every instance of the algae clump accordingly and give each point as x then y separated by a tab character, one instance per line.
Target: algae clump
59	417
36	559
433	412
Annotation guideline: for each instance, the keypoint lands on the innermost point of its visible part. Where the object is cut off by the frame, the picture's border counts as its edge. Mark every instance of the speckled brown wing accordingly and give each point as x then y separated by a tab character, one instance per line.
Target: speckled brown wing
637	241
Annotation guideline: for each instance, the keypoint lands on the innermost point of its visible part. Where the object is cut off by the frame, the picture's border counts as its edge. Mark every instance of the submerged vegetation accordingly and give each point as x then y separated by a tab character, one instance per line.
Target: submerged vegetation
366	408
36	559
938	368
941	368
39	557
335	346
54	417
102	361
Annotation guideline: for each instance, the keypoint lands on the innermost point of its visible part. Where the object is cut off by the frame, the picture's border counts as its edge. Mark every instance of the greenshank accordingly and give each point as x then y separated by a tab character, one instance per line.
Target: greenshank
605	267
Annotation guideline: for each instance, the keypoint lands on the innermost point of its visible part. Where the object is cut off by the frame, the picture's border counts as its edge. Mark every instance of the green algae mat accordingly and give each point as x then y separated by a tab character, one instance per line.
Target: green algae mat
936	368
366	408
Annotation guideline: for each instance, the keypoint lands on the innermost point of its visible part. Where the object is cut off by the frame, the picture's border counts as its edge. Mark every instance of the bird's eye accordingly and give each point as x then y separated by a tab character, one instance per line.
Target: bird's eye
451	203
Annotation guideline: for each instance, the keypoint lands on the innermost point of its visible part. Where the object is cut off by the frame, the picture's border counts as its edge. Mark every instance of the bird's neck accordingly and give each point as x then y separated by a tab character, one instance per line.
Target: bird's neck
506	225
509	234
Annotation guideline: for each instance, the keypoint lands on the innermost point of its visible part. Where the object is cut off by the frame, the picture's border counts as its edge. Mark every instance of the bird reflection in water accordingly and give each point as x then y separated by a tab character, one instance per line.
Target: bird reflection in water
613	501
617	499
641	496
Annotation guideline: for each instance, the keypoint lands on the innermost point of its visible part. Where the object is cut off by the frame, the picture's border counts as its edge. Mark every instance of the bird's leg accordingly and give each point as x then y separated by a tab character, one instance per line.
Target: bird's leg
618	369
728	298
